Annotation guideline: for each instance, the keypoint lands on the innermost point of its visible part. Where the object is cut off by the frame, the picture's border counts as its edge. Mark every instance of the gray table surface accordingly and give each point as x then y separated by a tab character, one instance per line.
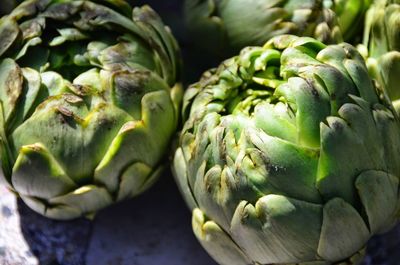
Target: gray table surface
152	229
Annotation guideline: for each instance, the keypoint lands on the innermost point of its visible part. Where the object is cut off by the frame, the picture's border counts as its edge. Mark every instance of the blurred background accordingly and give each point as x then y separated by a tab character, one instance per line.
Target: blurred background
195	63
152	229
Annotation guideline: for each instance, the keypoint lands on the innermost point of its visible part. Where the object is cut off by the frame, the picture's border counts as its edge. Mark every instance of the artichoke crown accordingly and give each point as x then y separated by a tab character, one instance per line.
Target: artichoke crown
381	46
289	155
89	93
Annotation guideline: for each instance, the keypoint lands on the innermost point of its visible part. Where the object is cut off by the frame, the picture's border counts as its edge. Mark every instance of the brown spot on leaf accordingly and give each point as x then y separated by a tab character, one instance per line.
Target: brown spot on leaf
337	126
13	85
131	83
64	111
72	99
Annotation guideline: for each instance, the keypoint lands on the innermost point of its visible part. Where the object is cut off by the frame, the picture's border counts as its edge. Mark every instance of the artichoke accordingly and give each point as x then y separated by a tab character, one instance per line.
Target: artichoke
350	15
224	27
89	96
289	155
382	46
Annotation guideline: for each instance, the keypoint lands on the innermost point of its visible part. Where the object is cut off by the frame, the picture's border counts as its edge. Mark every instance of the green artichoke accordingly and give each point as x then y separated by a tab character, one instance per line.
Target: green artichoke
350	15
89	95
289	155
226	26
382	46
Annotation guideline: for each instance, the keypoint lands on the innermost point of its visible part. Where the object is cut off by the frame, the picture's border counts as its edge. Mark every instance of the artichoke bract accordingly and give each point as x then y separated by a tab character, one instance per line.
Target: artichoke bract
89	96
381	46
224	27
289	155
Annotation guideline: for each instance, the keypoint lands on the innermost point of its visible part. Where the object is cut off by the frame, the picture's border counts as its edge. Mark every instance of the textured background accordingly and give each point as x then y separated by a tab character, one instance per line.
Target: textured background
152	229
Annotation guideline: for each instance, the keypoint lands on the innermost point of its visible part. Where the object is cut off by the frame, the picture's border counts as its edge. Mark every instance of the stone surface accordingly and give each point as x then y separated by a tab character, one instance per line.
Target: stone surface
27	238
54	242
13	247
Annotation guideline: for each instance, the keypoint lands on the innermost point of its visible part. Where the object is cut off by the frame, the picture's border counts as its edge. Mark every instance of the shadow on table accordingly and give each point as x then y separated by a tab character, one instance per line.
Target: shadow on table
384	249
54	242
152	229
